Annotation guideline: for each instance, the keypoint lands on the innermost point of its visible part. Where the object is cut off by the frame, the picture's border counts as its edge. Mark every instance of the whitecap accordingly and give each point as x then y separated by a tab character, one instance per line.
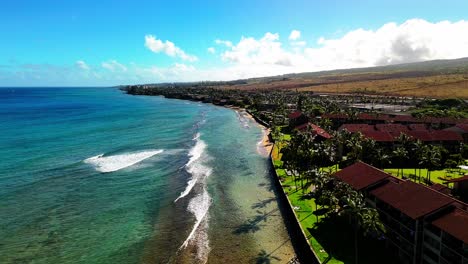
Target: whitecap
195	166
117	162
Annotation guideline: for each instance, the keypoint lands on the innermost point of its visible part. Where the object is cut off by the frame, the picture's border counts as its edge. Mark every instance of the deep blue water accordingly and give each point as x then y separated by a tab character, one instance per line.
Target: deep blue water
92	175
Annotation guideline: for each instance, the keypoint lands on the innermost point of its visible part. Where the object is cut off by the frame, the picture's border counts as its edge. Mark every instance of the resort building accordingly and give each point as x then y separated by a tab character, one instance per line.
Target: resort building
422	224
319	133
373	119
388	133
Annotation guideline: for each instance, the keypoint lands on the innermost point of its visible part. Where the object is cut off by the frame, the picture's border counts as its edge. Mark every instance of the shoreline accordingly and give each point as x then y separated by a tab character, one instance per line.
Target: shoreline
303	250
301	244
265	144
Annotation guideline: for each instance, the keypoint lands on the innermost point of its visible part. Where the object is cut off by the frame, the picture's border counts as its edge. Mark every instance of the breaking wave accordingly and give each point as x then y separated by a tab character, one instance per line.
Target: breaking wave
199	206
200	203
241	116
195	166
117	162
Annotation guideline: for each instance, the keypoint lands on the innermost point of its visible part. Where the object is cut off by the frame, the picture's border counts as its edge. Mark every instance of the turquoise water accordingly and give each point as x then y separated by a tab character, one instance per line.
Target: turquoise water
94	175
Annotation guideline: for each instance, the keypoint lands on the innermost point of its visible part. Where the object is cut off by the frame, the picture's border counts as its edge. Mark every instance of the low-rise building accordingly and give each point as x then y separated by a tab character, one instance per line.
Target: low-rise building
422	224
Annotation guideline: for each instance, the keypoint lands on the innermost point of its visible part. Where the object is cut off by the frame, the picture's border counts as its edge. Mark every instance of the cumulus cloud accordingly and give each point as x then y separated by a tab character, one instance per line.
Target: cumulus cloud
226	43
167	47
295	35
114	66
82	65
251	51
211	50
411	41
414	40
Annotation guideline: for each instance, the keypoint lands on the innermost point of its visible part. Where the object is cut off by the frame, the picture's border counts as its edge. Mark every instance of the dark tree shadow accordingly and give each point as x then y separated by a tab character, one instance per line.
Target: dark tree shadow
336	236
264	203
264	258
253	224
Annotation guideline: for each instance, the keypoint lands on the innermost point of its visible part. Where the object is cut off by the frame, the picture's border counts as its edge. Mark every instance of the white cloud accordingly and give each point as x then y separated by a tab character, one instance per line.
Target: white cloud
226	43
298	43
250	51
414	40
113	66
82	65
211	50
169	48
295	35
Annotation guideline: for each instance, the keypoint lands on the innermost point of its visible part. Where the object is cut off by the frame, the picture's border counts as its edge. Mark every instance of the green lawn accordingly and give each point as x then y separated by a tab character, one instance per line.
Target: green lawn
304	212
331	239
286	137
437	176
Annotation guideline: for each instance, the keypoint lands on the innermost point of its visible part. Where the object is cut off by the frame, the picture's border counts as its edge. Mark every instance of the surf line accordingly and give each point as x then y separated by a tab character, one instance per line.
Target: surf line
200	203
195	165
117	162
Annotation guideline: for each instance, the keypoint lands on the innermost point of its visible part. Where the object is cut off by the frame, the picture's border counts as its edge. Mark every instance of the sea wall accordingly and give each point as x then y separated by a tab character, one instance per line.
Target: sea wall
299	239
261	122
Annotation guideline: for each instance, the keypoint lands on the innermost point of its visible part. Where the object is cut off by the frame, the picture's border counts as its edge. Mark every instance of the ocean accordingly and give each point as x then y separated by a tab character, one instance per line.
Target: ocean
92	175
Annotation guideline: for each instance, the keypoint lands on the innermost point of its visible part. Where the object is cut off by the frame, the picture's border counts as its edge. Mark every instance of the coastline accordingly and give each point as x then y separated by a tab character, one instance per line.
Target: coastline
303	250
302	246
265	145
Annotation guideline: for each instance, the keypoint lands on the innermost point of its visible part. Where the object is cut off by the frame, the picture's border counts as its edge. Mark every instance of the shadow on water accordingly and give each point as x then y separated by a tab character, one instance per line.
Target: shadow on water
253	224
263	203
265	258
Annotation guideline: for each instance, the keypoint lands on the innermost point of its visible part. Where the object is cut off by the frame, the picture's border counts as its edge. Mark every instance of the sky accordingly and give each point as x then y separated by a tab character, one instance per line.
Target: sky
106	43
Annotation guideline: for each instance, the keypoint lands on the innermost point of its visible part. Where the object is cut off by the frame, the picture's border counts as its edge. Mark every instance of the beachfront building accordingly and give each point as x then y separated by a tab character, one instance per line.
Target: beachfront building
461	129
319	133
387	134
339	119
297	118
460	187
423	225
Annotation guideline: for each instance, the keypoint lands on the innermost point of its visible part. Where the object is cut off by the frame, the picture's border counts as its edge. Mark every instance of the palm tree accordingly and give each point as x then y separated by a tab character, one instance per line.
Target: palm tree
364	218
417	154
354	143
381	159
401	155
435	159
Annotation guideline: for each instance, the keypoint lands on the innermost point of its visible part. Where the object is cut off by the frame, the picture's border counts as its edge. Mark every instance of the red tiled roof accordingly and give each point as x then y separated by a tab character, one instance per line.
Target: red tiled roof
361	175
455	223
393	128
464	178
401	118
356	127
295	114
335	116
320	131
315	129
463	127
406	118
424	136
412	199
440	188
378	136
417	127
440	135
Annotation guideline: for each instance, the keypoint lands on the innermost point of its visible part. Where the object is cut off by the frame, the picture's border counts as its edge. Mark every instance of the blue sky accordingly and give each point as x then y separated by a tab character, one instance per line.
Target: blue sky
113	42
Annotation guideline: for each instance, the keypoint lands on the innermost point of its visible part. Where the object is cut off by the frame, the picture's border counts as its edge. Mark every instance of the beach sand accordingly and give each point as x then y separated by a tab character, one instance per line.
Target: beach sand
265	146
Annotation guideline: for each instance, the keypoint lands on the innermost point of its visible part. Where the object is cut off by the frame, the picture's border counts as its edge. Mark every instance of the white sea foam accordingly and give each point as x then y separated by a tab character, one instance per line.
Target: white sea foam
195	166
241	116
199	206
117	162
